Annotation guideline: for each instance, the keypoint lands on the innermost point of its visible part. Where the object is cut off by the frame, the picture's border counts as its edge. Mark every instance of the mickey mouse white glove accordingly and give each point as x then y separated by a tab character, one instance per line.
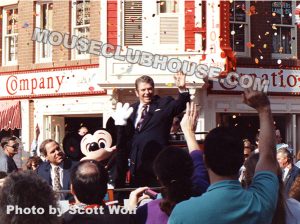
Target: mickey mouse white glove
122	113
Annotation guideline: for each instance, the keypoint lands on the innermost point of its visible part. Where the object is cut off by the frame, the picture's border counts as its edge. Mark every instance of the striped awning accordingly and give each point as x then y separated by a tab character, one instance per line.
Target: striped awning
10	115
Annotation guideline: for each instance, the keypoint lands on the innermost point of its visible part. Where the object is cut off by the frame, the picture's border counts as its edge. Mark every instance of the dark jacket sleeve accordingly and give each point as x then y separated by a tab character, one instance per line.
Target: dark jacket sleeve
179	104
121	157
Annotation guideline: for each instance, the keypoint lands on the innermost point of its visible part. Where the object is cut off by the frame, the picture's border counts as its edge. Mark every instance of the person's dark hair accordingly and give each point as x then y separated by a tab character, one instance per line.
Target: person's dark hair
34	159
43	150
26	189
174	168
3	174
144	78
89	182
250	165
5	140
223	150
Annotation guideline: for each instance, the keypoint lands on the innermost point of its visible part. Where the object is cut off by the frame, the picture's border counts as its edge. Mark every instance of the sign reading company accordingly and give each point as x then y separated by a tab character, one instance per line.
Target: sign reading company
280	80
50	83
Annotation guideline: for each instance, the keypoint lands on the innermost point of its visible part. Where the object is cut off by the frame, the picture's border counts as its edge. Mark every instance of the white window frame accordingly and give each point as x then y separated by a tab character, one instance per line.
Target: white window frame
293	34
247	25
5	50
39	46
74	54
151	29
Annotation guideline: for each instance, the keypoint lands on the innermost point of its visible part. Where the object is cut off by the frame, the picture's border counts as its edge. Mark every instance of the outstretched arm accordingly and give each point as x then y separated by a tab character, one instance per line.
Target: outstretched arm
188	126
260	102
34	144
120	116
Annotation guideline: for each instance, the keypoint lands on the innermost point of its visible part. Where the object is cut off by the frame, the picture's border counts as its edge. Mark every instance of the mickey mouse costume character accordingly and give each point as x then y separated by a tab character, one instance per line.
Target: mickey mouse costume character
108	145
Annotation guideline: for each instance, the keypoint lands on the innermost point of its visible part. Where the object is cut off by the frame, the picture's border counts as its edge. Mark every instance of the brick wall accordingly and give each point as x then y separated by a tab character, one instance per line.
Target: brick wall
95	26
62	23
25	44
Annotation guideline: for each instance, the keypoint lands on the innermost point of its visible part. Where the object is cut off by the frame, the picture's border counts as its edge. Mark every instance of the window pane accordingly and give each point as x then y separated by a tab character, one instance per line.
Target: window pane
237	40
46	16
287	12
12	44
240	11
168	6
82	12
276	12
282	12
12	21
82	32
282	41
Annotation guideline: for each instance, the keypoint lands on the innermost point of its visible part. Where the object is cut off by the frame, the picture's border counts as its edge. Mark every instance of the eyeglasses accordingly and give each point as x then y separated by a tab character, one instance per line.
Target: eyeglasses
15	146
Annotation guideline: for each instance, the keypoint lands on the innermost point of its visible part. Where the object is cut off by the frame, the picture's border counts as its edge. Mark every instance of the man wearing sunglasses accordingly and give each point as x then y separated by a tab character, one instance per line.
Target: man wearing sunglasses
9	150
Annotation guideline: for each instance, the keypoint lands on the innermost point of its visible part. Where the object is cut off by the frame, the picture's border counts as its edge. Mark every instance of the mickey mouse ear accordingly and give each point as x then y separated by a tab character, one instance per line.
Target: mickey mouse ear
112	129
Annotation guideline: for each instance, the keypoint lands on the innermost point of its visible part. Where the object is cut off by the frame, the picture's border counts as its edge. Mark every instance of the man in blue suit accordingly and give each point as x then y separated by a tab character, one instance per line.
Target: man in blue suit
150	125
56	170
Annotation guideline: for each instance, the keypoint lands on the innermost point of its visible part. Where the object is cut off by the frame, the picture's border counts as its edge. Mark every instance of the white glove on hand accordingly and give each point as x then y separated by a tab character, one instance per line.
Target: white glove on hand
122	114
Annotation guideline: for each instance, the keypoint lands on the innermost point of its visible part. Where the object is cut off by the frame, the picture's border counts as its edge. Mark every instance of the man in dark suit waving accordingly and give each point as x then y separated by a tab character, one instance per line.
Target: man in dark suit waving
151	122
56	170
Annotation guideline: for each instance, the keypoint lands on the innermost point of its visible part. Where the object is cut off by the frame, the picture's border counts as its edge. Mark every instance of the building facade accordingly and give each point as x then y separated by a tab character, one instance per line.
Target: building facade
67	62
264	35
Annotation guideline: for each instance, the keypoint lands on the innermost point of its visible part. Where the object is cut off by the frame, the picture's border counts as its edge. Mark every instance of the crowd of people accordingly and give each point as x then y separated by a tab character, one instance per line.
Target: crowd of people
228	181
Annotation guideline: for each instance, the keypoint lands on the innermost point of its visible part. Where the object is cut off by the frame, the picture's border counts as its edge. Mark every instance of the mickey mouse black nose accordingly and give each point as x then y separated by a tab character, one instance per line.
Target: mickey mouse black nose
93	146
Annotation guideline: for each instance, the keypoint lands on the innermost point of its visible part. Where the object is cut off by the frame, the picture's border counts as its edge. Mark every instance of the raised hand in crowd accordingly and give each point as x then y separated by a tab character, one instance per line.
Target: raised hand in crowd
188	126
260	102
37	131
